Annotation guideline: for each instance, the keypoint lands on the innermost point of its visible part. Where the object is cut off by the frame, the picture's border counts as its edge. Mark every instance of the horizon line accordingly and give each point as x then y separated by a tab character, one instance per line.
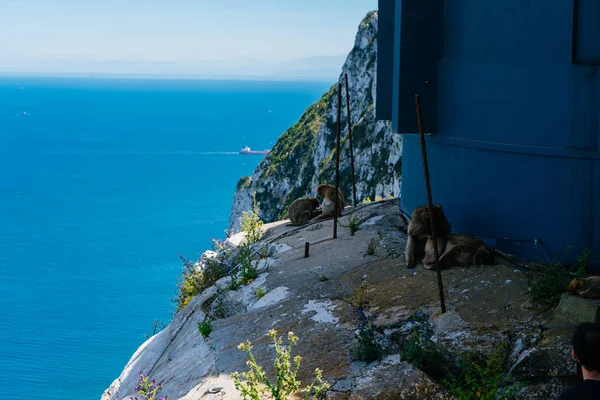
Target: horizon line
118	75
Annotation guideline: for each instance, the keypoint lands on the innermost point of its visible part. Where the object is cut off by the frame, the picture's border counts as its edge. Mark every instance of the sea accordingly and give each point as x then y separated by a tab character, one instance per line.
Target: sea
103	183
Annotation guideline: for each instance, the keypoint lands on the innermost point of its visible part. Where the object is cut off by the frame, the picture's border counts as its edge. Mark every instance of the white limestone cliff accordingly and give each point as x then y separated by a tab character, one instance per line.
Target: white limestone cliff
304	156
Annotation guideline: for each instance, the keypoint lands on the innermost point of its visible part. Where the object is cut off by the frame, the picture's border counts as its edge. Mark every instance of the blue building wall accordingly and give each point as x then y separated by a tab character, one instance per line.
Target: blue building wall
515	154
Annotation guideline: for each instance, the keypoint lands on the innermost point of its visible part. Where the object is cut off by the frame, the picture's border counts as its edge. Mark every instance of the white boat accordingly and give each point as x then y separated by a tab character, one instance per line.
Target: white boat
246	150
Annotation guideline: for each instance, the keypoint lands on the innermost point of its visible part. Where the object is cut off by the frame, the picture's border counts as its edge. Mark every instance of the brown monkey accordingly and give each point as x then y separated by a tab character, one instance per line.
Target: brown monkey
327	192
419	231
301	211
458	250
588	288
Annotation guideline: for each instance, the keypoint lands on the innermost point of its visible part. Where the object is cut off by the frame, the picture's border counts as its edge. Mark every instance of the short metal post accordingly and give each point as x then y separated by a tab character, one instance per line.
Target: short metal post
430	203
306	247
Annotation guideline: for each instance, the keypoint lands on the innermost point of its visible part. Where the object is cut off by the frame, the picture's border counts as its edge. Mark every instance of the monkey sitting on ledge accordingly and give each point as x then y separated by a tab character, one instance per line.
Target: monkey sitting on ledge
457	250
587	288
327	192
419	232
301	211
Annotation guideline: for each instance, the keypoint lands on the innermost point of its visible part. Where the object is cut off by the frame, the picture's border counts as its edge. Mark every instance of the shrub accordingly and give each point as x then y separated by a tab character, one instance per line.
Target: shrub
372	246
234	283
582	263
420	350
257	385
548	284
244	183
323	278
251	223
359	295
205	327
248	271
367	349
353	224
259	293
147	388
481	379
195	281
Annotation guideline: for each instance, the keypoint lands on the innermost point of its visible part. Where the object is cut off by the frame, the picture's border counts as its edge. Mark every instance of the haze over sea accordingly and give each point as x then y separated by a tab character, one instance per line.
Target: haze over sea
102	183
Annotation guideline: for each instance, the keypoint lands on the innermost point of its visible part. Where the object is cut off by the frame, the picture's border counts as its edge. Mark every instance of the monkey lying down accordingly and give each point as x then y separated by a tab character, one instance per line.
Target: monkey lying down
453	250
457	250
587	288
303	211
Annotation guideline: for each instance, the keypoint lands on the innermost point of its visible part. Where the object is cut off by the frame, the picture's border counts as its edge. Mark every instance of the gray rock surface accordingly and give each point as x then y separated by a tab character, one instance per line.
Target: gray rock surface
577	309
483	310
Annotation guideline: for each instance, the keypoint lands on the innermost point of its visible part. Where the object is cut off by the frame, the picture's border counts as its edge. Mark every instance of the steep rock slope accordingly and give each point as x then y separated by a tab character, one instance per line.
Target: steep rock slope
304	156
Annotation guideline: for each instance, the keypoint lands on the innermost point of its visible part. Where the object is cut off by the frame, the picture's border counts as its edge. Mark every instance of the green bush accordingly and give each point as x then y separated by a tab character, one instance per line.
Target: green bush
244	183
205	327
476	379
367	349
258	387
247	270
147	388
251	223
420	350
552	280
547	285
194	281
353	224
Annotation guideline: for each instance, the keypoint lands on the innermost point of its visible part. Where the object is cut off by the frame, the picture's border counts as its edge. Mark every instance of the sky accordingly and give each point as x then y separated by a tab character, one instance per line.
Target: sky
84	33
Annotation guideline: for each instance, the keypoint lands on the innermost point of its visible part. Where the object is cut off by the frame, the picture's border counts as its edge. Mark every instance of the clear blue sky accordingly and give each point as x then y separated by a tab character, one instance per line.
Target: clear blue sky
177	30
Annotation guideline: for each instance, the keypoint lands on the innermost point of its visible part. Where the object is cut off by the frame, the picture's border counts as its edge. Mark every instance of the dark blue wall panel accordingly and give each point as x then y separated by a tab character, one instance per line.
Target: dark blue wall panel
509	199
587	32
419	38
516	155
499	102
385	59
509	31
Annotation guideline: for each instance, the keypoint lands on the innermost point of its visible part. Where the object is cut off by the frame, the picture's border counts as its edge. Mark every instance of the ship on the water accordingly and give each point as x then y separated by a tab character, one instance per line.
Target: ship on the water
246	150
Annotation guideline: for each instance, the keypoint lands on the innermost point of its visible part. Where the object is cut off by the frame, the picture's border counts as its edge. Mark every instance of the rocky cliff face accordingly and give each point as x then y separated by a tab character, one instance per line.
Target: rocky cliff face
304	156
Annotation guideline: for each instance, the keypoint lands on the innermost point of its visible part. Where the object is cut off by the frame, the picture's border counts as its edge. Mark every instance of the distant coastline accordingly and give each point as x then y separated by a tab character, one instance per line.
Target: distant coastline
257	78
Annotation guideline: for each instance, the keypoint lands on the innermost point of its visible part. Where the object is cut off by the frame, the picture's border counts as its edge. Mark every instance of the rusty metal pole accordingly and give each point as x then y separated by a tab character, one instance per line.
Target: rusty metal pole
350	138
430	203
337	161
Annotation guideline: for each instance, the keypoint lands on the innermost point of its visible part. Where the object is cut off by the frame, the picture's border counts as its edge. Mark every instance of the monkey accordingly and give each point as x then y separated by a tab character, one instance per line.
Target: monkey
457	250
327	192
419	230
587	288
301	211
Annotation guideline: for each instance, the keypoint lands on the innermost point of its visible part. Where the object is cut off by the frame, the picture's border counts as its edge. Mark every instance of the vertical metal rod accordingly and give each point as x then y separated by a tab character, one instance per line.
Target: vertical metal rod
430	203
350	137
337	160
306	246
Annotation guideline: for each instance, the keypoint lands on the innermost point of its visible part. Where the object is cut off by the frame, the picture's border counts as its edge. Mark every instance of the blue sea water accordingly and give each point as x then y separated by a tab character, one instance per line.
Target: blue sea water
102	183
